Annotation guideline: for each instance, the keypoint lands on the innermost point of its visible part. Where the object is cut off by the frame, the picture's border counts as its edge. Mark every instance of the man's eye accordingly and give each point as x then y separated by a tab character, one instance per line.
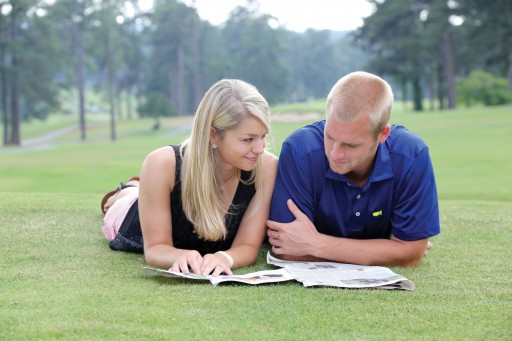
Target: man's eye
248	140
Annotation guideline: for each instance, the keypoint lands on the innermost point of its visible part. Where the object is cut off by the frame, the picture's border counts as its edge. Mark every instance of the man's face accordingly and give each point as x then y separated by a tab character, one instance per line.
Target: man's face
350	147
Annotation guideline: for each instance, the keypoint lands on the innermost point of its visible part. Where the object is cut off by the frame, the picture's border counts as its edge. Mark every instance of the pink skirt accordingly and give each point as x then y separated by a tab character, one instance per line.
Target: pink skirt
116	214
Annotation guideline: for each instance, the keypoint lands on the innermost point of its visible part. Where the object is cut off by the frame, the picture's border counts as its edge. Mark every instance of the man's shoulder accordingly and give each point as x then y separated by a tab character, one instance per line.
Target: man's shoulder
402	141
307	139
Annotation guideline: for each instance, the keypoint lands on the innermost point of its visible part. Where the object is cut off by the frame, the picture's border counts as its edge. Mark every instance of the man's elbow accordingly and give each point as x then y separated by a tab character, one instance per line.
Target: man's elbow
411	261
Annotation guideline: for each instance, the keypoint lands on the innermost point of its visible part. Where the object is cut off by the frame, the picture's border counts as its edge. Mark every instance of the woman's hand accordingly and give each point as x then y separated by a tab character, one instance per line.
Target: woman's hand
189	261
215	264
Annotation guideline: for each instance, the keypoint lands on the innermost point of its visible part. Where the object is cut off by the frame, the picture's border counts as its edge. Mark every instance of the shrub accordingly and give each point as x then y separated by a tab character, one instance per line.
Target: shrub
156	105
483	87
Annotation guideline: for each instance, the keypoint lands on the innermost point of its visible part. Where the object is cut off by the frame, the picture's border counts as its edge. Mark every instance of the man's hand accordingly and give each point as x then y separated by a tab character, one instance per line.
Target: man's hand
296	238
429	246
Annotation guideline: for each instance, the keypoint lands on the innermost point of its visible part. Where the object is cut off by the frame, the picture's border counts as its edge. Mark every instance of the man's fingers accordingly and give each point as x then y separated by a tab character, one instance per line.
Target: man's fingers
429	246
272	232
277	250
273	225
297	213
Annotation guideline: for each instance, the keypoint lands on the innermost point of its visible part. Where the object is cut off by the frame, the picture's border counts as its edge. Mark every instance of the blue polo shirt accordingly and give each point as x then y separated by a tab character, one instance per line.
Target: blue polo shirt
399	198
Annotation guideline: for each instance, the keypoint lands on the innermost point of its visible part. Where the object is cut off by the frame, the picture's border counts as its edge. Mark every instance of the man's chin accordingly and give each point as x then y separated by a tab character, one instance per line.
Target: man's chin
340	170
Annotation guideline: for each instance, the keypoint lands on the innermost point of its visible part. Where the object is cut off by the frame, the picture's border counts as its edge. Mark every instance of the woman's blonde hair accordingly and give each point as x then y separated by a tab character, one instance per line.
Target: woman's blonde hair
223	107
361	93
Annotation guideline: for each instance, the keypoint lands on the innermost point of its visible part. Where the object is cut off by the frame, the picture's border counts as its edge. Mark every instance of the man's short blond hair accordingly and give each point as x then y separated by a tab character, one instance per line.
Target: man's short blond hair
361	93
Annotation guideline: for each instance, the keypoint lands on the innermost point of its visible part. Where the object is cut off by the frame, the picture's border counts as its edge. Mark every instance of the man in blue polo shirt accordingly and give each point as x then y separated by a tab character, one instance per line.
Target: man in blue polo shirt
352	188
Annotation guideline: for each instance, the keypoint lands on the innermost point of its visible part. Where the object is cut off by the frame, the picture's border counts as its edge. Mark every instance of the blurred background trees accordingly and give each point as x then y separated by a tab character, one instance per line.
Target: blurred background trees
159	62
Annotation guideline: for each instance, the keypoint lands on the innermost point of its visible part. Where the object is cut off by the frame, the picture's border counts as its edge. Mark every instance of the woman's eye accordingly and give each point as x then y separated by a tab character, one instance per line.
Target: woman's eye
248	140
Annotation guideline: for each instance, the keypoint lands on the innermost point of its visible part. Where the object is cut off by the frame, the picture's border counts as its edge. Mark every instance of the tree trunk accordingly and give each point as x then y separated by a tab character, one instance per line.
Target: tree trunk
15	104
180	79
79	78
417	94
15	94
509	71
5	113
111	99
117	98
129	91
110	86
449	69
440	87
196	66
431	91
405	95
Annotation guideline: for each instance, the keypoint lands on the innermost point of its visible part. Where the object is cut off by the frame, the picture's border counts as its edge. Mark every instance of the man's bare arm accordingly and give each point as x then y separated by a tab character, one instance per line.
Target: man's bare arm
299	240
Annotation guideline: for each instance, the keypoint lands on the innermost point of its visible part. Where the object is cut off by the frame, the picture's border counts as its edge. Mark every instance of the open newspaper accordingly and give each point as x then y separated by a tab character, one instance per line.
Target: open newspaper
310	274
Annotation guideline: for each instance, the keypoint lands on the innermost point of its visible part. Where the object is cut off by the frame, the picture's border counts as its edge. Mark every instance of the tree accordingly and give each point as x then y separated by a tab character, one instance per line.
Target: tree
29	62
317	60
131	42
490	35
174	59
107	51
156	105
72	20
393	35
483	87
256	51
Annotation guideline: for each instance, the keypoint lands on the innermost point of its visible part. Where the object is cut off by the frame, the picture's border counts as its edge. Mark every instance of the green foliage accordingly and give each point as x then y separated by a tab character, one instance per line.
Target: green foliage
317	59
156	105
484	88
255	52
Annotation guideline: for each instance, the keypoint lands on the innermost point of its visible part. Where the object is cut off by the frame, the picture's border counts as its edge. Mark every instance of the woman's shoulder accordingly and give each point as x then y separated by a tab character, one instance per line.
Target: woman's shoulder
270	162
269	158
160	161
162	154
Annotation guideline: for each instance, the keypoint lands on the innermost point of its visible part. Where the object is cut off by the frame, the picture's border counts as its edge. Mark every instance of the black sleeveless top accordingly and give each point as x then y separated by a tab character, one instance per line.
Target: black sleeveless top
129	237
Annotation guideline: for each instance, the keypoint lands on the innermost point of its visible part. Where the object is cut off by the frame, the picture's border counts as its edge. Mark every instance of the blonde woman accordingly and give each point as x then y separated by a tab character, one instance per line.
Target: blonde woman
203	205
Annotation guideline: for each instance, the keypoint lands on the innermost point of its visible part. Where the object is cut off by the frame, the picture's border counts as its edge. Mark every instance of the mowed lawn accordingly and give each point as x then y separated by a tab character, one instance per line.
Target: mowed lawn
59	279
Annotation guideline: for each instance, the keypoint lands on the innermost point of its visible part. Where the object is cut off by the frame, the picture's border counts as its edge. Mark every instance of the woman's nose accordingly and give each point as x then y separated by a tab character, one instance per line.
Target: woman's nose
259	146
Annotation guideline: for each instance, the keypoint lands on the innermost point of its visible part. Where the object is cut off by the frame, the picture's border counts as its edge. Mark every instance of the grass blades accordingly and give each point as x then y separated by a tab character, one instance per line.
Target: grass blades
60	280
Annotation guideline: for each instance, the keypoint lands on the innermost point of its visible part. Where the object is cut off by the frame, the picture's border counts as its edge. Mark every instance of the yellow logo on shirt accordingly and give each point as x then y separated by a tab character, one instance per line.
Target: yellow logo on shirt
377	213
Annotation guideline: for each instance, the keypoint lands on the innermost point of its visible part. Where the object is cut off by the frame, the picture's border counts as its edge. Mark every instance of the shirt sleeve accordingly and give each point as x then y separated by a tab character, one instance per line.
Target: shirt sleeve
294	181
416	212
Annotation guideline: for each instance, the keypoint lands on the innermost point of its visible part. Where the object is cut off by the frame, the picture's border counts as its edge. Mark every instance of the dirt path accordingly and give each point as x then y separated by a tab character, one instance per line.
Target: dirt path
47	141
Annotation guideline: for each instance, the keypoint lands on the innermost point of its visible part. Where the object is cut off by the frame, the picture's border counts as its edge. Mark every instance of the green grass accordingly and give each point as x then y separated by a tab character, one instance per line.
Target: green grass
59	279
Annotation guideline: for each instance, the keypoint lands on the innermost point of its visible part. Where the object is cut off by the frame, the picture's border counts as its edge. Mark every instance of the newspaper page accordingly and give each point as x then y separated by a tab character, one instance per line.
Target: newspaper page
342	275
310	274
254	278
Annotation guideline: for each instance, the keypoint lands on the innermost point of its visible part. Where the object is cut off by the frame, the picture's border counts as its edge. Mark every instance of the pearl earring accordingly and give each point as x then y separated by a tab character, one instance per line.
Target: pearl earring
214	146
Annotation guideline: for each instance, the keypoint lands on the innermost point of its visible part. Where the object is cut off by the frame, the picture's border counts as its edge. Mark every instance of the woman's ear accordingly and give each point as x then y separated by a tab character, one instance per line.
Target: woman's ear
213	135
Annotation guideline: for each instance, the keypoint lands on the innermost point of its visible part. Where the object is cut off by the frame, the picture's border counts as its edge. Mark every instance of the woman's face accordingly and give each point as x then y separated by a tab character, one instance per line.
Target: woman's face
242	146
